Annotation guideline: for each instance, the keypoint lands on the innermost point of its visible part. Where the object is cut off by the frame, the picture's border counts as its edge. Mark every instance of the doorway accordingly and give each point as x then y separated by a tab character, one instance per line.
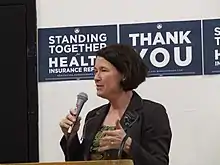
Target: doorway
19	96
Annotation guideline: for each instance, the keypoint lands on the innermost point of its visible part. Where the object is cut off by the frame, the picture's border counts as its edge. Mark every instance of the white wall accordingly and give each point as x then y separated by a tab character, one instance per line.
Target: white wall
192	104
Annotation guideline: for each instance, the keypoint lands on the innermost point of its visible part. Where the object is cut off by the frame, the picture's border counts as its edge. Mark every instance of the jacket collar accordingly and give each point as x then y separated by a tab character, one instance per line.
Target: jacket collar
136	103
131	113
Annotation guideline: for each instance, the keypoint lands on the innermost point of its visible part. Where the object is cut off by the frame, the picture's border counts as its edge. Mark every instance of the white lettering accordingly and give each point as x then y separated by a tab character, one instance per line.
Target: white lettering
78	38
217	31
63	62
154	61
53	62
51	47
58	39
88	48
143	52
217	54
101	45
92	60
59	49
81	38
134	38
184	37
76	48
88	69
172	37
72	62
83	63
217	40
177	37
217	63
51	40
102	38
65	40
177	55
144	39
166	56
158	39
65	70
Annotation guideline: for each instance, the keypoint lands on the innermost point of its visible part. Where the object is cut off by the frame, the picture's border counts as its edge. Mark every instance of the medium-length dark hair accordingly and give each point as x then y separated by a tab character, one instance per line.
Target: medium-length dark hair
128	62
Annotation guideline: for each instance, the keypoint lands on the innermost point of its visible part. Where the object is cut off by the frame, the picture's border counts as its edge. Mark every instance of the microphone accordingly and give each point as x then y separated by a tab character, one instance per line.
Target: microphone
81	99
129	120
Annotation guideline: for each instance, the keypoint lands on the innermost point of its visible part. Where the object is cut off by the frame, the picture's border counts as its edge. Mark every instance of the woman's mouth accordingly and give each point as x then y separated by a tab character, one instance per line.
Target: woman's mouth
99	86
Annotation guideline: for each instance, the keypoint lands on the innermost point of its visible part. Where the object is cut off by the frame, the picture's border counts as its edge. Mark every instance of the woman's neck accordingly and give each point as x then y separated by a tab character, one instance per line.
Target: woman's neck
121	100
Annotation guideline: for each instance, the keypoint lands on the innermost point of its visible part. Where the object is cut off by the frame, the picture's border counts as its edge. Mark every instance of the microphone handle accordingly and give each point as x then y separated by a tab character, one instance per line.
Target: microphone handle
73	125
128	124
83	136
122	145
69	137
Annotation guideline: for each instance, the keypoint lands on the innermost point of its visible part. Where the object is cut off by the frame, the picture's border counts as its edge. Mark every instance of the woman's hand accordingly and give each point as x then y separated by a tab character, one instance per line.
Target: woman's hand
112	139
68	121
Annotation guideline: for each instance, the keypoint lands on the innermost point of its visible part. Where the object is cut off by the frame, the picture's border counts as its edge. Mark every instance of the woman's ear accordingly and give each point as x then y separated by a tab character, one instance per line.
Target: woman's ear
123	78
122	83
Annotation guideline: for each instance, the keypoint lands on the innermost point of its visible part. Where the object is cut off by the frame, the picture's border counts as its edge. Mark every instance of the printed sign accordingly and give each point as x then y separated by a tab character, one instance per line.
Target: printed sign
211	45
69	53
168	48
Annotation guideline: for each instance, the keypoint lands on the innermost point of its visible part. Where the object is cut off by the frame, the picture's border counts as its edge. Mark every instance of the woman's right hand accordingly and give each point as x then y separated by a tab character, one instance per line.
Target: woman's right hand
68	121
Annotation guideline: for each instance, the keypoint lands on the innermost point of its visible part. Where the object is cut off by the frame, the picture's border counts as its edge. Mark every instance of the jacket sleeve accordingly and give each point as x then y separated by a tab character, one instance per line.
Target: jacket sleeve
75	152
155	140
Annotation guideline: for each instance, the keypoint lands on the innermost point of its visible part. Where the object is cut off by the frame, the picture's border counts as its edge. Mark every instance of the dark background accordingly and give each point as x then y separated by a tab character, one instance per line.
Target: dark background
19	96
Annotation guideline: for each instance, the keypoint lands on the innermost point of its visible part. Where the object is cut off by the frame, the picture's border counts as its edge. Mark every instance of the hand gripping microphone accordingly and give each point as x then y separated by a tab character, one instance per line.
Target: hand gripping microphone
81	99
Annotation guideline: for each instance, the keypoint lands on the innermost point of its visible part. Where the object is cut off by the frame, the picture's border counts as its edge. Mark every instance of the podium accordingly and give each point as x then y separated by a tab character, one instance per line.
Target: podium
99	162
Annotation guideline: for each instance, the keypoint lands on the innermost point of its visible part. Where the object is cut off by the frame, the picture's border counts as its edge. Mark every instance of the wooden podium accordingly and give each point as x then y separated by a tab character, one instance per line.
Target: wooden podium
99	162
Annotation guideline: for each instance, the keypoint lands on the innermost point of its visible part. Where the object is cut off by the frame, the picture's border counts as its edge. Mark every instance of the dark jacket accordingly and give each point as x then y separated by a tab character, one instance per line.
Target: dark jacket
150	133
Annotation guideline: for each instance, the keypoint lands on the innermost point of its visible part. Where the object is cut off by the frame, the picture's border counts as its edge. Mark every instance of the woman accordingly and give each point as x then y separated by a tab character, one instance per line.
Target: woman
142	125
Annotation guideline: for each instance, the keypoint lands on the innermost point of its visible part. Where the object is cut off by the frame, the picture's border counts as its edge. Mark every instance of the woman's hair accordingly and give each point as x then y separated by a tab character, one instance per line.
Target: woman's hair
128	62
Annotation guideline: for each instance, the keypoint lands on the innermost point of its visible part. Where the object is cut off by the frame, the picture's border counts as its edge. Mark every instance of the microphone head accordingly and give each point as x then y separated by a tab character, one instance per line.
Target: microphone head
82	96
81	99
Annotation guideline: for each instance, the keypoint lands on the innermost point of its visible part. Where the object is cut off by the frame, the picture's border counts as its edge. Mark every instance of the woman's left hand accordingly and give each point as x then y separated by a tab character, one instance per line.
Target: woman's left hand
112	139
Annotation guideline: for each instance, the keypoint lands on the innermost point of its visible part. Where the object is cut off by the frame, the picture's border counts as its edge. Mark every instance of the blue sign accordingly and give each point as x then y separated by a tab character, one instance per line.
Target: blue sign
69	53
168	48
211	42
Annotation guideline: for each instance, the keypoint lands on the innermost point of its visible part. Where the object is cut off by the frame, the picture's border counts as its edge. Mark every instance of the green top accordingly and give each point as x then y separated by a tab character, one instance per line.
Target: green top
94	153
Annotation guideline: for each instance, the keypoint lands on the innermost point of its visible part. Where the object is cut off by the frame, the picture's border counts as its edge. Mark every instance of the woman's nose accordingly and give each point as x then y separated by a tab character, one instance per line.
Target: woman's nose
97	76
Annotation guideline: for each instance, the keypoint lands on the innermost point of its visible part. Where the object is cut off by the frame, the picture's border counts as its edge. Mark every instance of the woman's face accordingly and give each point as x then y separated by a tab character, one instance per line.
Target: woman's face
107	79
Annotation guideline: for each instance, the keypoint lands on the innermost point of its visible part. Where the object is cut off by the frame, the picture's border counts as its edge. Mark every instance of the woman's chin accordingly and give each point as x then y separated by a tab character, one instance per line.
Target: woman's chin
100	94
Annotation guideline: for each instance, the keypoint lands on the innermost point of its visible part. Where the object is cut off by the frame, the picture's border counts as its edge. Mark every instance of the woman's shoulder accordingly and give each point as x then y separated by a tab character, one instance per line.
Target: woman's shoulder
156	114
153	106
148	105
97	110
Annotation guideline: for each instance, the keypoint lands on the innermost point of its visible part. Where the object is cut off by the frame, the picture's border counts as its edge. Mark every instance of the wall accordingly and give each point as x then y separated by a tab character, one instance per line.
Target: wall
192	101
